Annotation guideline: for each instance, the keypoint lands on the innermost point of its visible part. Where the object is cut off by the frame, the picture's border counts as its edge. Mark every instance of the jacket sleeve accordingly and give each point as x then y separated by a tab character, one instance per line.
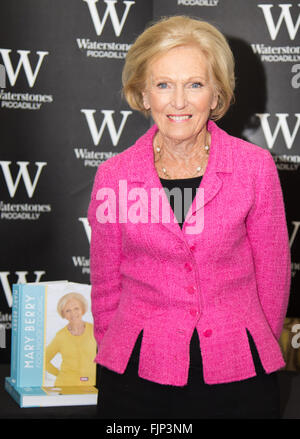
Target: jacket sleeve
105	254
268	236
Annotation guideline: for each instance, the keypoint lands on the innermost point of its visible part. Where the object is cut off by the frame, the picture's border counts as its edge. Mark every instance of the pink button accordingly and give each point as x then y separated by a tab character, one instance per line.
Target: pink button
207	333
193	312
191	289
188	266
192	247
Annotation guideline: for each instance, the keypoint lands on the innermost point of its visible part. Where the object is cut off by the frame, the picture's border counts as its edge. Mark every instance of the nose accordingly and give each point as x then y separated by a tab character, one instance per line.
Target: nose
179	97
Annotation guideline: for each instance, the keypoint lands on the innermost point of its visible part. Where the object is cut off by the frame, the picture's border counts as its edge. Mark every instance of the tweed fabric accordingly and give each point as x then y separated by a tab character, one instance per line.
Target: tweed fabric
232	276
128	396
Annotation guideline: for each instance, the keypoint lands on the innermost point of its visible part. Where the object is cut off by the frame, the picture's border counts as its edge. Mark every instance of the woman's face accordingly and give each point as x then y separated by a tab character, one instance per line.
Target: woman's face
73	311
180	92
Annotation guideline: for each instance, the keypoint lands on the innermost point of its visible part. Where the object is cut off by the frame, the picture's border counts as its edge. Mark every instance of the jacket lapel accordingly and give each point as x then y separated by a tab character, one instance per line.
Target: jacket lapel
220	161
143	174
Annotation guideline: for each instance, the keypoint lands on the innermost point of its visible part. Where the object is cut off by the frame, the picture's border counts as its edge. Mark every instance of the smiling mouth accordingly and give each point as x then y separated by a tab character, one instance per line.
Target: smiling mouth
179	118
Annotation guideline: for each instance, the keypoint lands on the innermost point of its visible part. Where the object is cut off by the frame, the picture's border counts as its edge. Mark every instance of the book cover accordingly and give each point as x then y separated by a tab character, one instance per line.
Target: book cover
51	396
53	346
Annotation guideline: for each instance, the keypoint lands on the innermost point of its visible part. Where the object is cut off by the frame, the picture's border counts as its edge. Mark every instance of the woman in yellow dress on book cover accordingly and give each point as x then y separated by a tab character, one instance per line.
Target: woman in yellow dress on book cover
76	344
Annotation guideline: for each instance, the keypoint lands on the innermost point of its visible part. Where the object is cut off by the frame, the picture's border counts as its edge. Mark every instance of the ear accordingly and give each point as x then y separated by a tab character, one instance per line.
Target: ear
146	100
215	100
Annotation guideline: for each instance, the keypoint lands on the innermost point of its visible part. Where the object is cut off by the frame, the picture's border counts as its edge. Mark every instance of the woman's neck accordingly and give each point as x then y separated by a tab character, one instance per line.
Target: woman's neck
182	150
181	158
76	328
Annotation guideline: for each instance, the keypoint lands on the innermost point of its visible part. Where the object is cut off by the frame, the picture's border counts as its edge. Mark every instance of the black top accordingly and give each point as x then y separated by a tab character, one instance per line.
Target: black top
182	204
180	212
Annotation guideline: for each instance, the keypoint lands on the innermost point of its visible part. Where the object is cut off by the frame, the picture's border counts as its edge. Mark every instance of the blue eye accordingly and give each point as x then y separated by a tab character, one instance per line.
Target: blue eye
196	85
162	85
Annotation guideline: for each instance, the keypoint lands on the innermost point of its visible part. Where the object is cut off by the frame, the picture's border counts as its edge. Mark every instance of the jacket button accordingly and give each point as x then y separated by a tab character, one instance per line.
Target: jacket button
193	312
191	289
192	247
207	333
188	266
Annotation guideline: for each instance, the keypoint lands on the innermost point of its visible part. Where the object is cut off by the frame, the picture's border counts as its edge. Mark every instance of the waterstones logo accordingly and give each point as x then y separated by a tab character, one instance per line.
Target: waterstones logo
23	100
295	232
277	54
95	49
5	321
92	158
284	130
24	211
286	162
23	174
21	278
2	77
282	127
111	12
117	16
294	240
82	263
286	19
108	124
24	63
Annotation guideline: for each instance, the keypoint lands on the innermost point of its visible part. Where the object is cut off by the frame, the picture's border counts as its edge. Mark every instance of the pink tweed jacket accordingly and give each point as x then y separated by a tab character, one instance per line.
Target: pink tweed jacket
229	275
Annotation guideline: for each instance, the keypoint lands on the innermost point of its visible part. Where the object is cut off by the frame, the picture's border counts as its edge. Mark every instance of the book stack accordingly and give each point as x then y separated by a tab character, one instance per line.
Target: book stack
53	346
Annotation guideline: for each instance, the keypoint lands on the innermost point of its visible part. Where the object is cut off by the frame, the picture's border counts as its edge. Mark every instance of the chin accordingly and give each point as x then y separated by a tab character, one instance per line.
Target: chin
180	135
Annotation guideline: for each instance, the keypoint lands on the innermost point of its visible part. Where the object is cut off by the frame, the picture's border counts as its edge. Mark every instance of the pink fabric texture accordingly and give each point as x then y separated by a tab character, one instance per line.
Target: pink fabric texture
150	275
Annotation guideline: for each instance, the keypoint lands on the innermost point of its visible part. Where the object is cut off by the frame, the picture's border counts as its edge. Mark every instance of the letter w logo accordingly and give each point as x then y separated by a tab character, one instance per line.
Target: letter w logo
284	16
23	172
21	279
107	121
23	61
110	11
281	125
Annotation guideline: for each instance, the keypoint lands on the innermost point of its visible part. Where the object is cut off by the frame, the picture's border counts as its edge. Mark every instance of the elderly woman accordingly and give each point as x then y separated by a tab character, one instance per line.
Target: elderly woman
76	344
188	307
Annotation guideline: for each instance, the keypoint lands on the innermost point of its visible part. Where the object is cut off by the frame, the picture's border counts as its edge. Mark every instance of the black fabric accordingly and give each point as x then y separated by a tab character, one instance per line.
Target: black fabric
192	184
129	396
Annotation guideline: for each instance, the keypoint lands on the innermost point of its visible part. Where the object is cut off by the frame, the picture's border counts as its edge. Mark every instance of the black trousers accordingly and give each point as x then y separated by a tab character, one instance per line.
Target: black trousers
127	396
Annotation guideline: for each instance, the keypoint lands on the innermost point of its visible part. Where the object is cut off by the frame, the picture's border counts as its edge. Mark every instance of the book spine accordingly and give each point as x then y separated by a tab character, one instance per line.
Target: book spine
14	334
31	335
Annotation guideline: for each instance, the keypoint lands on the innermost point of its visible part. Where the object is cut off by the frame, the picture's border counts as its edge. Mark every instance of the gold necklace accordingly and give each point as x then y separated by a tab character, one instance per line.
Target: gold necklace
164	170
